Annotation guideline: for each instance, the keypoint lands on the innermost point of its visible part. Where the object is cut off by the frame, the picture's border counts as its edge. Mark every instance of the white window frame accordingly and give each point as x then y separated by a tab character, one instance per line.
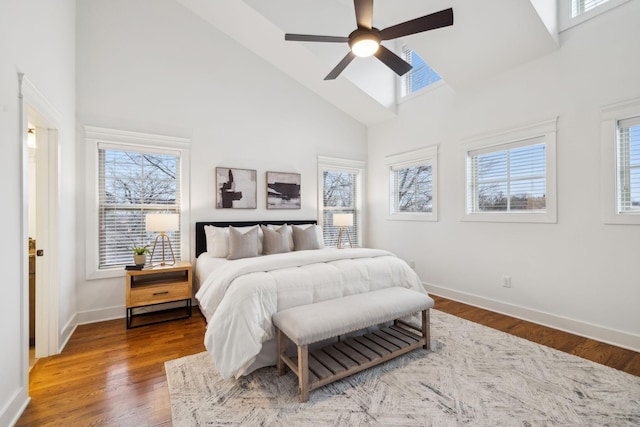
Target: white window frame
357	167
94	136
566	21
542	131
611	115
420	157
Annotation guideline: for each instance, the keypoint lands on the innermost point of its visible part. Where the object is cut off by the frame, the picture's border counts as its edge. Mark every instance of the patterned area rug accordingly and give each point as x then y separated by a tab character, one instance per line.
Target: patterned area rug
473	376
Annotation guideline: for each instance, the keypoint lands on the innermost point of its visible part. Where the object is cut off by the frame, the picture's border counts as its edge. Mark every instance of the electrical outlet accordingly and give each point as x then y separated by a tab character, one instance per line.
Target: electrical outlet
506	281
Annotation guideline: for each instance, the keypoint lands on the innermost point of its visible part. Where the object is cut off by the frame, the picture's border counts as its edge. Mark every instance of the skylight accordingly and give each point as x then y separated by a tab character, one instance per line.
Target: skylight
420	76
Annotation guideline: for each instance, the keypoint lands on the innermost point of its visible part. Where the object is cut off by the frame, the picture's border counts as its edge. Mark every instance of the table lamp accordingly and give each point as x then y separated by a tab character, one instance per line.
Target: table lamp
162	223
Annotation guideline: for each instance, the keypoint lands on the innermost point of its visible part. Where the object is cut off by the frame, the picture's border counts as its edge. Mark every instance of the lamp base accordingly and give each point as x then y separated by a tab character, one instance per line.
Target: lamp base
162	237
343	229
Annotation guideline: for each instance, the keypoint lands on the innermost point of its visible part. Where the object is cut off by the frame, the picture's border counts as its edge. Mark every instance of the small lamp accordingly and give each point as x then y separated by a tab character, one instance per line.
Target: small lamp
162	223
343	221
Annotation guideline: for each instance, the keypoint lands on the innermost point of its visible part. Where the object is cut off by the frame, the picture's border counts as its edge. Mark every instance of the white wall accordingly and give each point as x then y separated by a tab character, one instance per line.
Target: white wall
152	66
38	40
578	274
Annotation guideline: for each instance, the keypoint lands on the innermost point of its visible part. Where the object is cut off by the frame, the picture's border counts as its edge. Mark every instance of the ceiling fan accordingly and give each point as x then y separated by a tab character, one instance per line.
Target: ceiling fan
365	40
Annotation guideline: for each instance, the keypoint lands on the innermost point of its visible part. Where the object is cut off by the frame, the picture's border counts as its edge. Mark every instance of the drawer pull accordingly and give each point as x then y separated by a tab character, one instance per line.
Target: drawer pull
160	293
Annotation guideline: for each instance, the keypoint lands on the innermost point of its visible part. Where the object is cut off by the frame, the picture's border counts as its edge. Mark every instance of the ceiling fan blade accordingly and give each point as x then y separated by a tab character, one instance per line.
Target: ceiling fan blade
341	66
364	13
392	61
312	38
444	18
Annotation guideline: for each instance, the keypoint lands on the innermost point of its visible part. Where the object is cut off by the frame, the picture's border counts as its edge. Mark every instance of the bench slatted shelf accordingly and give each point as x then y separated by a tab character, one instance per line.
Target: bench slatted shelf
305	325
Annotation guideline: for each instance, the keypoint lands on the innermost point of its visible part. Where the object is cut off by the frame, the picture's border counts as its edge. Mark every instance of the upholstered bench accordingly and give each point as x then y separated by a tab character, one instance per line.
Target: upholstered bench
308	324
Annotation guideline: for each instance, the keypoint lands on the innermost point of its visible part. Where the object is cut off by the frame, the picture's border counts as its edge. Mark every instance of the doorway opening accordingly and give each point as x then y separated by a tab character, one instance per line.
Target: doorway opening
39	123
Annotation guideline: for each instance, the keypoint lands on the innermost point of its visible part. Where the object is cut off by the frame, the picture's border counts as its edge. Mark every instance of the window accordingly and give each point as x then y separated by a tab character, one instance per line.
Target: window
509	179
340	192
574	12
133	174
578	7
513	180
420	76
133	183
629	166
621	163
413	184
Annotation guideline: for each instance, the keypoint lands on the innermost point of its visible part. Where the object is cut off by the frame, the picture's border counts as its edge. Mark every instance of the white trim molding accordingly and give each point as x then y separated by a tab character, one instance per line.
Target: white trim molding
419	157
576	327
545	131
95	136
611	115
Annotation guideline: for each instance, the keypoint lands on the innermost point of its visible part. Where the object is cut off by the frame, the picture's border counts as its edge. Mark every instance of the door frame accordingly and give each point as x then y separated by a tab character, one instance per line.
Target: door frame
35	108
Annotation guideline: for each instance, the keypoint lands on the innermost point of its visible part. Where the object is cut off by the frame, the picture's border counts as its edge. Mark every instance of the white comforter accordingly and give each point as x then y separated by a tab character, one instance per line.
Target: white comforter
239	298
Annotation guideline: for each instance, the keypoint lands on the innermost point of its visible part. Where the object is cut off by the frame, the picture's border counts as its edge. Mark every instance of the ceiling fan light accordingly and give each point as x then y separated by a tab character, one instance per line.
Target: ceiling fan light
365	45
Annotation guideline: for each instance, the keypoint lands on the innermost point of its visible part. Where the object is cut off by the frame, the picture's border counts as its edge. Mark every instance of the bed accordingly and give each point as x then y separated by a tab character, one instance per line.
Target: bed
238	296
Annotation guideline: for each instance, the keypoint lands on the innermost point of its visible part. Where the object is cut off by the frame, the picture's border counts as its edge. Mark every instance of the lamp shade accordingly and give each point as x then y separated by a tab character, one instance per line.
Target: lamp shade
162	222
343	220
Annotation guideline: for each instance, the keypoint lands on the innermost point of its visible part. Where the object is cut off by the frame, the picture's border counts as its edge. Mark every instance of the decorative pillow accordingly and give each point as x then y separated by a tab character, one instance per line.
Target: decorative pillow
218	240
305	238
275	241
243	244
290	232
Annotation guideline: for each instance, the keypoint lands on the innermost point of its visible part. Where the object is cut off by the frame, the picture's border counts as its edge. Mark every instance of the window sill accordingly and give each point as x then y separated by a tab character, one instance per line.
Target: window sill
566	22
424	90
540	218
417	216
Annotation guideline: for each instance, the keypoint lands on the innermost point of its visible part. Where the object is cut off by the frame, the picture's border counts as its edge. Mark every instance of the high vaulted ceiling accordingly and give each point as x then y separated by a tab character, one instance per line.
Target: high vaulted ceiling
488	37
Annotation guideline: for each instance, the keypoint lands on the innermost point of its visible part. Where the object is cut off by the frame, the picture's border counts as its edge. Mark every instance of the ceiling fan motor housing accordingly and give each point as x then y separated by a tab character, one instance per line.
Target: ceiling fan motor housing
364	42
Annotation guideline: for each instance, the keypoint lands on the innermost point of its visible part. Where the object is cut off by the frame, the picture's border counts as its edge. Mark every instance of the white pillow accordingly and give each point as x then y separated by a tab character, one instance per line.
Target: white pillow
243	244
218	240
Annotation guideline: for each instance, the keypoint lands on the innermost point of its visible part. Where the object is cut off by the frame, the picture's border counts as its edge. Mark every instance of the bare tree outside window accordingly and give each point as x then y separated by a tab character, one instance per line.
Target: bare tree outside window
412	189
133	184
339	196
510	180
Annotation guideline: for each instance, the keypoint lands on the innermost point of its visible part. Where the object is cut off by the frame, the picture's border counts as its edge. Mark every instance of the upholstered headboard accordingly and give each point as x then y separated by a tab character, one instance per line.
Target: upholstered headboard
201	239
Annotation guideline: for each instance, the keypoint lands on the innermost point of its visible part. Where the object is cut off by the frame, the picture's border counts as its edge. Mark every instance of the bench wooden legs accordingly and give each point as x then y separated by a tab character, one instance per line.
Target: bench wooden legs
365	351
426	329
303	372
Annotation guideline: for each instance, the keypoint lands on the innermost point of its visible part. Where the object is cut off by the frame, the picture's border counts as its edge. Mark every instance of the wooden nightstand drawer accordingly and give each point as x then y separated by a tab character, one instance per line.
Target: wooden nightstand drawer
157	285
159	293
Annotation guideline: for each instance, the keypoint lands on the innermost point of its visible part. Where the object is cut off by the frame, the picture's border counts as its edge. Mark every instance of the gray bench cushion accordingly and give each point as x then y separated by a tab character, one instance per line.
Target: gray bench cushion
310	323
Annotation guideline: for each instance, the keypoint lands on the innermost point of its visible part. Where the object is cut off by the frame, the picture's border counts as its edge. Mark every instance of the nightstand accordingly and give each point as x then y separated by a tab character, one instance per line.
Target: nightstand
158	285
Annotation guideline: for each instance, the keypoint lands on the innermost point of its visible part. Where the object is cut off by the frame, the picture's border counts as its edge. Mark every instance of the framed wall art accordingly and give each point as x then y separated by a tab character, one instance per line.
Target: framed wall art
236	188
283	190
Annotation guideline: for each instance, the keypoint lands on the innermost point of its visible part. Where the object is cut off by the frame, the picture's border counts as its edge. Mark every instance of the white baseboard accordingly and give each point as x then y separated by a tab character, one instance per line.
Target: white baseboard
66	332
100	315
576	327
119	312
11	412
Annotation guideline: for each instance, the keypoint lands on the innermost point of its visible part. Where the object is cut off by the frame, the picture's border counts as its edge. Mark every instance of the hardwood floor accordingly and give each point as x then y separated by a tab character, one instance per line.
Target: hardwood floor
108	375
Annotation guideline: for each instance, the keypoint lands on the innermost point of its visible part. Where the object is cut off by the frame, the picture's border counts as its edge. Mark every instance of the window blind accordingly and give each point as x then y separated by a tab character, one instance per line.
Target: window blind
131	184
508	178
340	196
420	76
629	165
578	7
